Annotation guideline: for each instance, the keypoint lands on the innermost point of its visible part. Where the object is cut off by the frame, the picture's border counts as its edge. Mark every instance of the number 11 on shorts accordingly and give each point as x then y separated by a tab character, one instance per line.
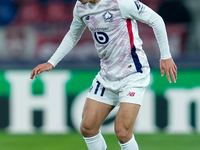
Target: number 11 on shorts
97	88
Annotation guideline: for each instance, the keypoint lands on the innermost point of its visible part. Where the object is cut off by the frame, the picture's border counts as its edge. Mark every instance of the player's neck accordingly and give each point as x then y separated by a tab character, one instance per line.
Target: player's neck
94	1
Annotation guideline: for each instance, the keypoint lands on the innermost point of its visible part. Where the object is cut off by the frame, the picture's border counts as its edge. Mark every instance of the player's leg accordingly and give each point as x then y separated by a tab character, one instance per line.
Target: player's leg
131	97
124	125
94	113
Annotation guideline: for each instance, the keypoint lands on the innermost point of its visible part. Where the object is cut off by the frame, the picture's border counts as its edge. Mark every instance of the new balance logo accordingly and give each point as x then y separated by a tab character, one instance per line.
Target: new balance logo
87	18
131	94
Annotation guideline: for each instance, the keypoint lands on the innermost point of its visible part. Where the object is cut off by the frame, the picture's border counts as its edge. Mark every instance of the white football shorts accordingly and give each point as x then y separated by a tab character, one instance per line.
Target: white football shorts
130	89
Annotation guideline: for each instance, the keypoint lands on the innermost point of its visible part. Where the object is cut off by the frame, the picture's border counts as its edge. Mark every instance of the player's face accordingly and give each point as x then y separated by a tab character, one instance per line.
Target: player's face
91	1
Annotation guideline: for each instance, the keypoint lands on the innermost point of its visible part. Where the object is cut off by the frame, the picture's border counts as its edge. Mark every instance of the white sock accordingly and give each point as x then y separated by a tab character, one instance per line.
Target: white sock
130	145
96	142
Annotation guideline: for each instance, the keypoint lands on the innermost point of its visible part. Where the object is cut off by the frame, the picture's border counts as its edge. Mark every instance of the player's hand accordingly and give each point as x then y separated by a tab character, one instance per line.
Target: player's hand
40	68
169	67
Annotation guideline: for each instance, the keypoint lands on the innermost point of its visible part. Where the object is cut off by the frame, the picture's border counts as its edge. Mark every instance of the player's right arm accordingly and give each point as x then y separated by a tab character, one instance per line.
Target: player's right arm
69	41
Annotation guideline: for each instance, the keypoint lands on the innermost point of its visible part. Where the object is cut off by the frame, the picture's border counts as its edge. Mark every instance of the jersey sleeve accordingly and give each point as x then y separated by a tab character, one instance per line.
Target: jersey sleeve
70	40
133	9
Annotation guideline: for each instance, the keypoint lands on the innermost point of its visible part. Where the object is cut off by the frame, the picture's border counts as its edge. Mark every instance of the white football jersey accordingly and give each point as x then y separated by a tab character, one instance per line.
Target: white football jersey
113	26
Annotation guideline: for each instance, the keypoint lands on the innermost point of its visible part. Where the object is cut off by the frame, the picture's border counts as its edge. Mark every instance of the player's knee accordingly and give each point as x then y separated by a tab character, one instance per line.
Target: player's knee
84	129
123	134
87	130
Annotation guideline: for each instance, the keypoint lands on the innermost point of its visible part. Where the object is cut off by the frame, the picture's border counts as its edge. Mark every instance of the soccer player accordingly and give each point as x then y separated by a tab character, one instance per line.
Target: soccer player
124	73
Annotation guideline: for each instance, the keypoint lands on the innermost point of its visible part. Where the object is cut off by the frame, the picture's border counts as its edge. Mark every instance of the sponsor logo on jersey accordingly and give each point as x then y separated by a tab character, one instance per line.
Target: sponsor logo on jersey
99	29
101	37
131	94
108	17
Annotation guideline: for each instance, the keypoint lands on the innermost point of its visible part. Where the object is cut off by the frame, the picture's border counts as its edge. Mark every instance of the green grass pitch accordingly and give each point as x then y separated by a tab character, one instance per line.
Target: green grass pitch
74	141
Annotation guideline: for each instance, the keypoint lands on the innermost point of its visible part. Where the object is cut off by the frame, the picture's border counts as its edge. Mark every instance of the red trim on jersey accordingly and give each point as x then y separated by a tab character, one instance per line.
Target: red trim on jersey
130	32
134	55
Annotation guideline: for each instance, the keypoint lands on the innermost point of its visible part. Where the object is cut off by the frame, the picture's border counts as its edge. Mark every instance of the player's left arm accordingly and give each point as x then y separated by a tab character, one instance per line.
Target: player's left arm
133	9
169	67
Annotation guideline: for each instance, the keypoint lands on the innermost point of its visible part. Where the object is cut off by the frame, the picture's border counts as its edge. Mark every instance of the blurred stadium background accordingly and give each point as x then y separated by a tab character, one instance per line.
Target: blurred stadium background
45	113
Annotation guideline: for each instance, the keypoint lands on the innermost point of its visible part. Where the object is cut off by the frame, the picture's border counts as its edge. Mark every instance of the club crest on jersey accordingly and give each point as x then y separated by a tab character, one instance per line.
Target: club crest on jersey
108	17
